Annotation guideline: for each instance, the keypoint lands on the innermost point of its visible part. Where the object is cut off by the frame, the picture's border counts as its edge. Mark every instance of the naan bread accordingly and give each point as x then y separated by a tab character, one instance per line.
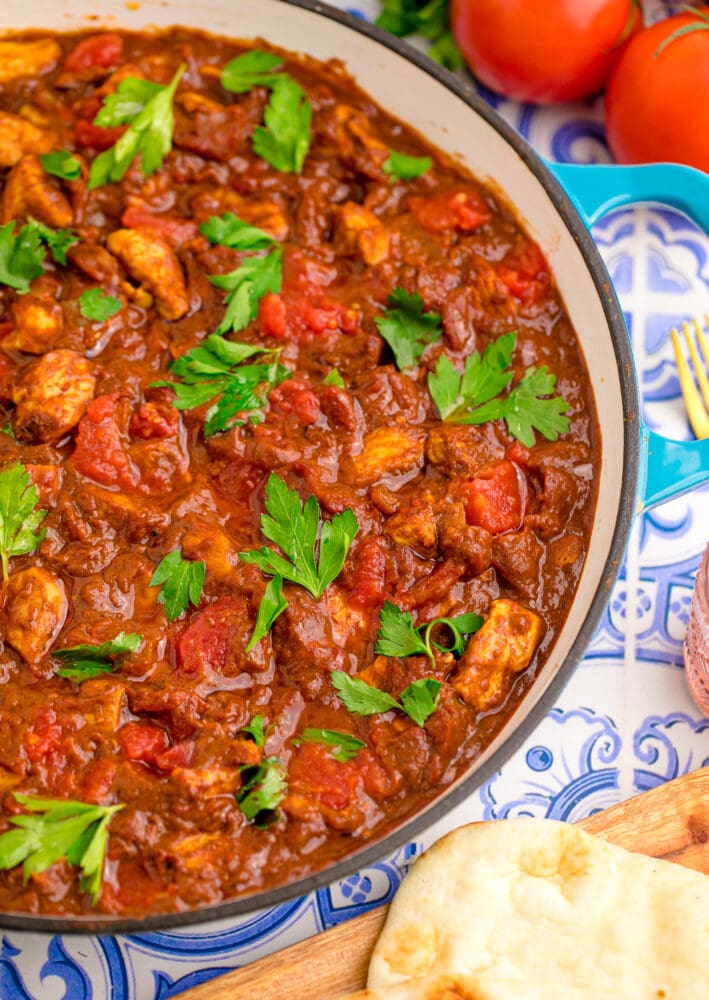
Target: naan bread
540	910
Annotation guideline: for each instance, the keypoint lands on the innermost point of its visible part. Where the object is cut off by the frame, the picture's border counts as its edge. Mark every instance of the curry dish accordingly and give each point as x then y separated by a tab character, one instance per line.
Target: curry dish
298	465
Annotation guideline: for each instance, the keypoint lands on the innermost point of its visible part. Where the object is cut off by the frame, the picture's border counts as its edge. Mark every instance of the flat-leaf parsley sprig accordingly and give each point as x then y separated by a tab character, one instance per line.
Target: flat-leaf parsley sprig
246	286
84	661
407	329
475	396
262	789
418	700
19	517
398	636
342	746
54	829
180	582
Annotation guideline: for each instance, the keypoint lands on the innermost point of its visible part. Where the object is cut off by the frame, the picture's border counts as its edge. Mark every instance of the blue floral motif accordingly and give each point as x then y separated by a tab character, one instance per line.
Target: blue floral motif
366	889
667	745
166	987
59	964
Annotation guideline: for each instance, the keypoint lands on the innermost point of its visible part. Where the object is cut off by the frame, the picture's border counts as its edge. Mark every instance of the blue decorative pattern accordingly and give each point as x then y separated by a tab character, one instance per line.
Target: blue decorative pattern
624	723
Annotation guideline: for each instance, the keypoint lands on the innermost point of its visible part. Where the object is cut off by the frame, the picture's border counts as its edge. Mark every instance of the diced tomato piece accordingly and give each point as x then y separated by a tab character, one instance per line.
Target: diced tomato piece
525	273
142	742
100	452
90	136
272	315
154	420
178	755
43	738
98	780
463	211
206	642
292	397
315	774
519	453
369	576
497	498
175	231
97	51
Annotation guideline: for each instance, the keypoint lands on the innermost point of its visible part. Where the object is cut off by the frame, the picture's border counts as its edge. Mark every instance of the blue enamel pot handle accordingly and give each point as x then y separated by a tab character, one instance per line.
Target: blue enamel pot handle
669	468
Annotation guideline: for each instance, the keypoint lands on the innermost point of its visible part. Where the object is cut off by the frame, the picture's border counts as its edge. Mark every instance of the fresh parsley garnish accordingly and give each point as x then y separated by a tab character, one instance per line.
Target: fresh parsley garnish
315	549
285	139
84	661
418	700
21	256
181	583
256	731
428	18
333	377
262	788
343	746
58	240
251	69
407	329
398	636
97	305
62	164
246	286
474	397
230	231
19	518
401	167
215	368
76	831
146	108
273	603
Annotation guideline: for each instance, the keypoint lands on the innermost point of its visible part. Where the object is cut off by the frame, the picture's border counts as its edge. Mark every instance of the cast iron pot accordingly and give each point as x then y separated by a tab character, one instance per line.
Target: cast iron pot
555	204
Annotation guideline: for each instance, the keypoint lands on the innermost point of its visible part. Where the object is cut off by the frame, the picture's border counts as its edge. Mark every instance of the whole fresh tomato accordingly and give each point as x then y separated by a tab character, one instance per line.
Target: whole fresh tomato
542	50
657	99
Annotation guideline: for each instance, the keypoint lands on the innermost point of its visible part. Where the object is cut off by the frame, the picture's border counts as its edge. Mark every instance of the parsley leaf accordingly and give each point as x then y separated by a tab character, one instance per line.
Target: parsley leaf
214	368
256	731
84	661
230	231
343	746
61	164
474	397
407	329
273	603
21	256
97	305
428	18
397	635
401	167
285	140
76	831
58	240
181	581
246	286
418	700
19	520
333	377
298	529
251	69
263	787
147	107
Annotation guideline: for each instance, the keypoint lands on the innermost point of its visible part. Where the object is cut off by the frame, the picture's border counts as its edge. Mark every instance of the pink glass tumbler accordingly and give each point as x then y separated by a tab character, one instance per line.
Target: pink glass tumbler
696	643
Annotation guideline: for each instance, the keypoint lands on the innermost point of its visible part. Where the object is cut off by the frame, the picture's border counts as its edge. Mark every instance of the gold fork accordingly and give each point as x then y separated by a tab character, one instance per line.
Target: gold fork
697	411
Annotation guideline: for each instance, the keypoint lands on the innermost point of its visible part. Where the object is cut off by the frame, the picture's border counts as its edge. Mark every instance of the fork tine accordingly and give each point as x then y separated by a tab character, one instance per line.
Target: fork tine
699	368
695	408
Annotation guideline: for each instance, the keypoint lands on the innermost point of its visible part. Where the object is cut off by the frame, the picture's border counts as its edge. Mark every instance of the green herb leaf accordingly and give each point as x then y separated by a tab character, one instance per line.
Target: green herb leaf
296	528
98	306
246	286
462	625
147	107
343	746
398	636
427	18
19	520
72	830
85	660
474	397
181	583
61	163
273	603
58	240
285	140
262	789
255	730
401	167
420	699
333	377
361	698
232	232
21	256
252	69
407	329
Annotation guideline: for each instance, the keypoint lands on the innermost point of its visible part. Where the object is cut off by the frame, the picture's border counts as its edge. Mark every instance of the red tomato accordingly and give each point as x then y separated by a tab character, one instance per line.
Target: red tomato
101	453
497	498
141	742
206	642
461	210
97	51
656	101
549	50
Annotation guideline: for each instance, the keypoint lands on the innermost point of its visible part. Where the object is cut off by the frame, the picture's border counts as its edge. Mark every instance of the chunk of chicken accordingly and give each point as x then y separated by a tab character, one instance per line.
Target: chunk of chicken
504	645
35	610
38	325
358	230
52	394
151	261
102	700
29	190
414	525
27	58
18	136
387	450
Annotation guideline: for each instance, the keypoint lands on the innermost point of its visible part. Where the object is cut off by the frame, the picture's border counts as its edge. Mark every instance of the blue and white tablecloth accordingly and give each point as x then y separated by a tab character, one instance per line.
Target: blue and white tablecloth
624	723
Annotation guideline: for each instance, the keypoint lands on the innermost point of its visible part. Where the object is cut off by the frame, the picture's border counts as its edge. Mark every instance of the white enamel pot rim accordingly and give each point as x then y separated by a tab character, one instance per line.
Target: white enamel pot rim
451	115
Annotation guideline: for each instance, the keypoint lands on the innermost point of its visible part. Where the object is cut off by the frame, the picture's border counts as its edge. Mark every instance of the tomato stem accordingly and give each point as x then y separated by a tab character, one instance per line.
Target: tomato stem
702	24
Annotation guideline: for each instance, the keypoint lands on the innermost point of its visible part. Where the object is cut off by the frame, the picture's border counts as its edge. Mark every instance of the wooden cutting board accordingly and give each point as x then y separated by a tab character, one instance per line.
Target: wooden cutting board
670	822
